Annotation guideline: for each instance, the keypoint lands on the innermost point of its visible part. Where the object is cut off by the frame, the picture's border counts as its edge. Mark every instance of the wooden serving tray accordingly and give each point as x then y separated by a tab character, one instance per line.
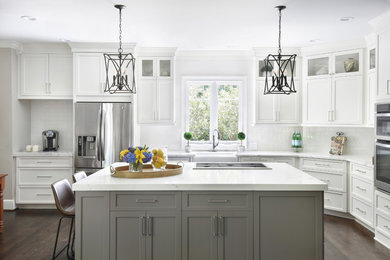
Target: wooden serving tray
147	171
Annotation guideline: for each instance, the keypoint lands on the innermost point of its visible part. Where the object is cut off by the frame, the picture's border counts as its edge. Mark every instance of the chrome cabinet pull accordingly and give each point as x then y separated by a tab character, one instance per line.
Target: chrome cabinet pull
222	226
43	194
325	180
217	201
150	225
326	199
44	162
387	227
322	164
387	206
358	170
360	210
44	176
145	200
215	226
360	188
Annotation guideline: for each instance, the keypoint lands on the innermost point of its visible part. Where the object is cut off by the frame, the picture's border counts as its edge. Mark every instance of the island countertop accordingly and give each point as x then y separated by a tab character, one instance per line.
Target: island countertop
281	177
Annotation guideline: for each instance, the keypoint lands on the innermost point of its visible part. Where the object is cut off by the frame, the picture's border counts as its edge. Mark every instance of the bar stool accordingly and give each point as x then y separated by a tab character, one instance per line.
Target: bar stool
65	203
79	176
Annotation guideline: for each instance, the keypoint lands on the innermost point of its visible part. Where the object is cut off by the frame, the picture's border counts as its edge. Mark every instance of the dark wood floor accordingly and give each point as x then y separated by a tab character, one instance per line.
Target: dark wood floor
30	234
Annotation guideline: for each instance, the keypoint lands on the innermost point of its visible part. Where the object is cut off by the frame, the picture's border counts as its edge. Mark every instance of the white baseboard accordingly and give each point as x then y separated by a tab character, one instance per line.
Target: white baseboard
9	205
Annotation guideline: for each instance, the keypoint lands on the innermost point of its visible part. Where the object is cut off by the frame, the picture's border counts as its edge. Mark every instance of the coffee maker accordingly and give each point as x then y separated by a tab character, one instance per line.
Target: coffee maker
50	140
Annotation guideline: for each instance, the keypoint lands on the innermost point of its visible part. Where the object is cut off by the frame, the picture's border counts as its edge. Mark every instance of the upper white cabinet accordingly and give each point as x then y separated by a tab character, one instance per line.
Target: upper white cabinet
155	95
46	76
333	89
276	108
383	92
89	73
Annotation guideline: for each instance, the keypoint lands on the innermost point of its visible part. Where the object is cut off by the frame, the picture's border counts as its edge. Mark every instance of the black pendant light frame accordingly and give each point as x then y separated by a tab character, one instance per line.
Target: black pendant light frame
122	63
278	66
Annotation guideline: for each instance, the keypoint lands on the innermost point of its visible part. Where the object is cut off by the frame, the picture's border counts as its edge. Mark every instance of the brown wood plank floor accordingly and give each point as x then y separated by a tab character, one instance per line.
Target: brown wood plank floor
30	234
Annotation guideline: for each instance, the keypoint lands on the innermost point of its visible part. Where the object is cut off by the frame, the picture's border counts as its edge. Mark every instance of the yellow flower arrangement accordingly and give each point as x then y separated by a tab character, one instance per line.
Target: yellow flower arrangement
139	155
123	153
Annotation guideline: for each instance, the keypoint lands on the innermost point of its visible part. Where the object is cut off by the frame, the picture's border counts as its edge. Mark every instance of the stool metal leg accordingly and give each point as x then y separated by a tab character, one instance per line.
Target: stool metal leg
67	246
55	244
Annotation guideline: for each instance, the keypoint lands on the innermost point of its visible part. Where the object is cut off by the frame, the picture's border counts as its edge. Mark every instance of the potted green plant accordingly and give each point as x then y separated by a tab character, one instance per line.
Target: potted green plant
188	137
241	136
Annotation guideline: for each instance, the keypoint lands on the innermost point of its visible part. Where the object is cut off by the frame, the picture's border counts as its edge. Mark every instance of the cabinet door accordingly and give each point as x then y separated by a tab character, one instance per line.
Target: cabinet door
317	99
164	67
281	231
383	66
146	100
371	89
89	71
148	68
60	75
265	108
34	70
127	235
348	100
164	100
235	240
164	235
288	107
199	235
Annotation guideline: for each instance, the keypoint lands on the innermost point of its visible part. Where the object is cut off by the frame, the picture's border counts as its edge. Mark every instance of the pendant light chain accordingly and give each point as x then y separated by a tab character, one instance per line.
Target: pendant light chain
120	50
280	32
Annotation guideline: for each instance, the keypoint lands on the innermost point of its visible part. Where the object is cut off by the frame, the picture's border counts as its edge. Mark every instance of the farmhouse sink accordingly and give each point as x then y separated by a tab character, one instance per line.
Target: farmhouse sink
230	166
219	156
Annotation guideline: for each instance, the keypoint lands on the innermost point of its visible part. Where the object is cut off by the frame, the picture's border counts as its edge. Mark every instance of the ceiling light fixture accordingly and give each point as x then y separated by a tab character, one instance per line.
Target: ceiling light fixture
346	18
28	18
123	64
281	67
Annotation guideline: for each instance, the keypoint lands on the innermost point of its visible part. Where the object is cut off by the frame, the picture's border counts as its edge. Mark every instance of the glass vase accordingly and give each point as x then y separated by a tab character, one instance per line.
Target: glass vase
135	167
160	158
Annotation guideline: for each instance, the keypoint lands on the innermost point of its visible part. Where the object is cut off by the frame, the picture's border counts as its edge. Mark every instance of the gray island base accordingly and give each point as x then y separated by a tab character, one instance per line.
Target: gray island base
150	221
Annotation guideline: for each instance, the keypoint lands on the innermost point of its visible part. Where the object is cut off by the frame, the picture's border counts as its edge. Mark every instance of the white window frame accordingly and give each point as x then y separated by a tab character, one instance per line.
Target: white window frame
214	81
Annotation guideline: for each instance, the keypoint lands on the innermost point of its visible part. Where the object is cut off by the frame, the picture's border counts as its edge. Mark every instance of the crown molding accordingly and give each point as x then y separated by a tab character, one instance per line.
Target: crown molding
156	51
45	47
381	23
12	45
265	51
214	54
101	47
333	47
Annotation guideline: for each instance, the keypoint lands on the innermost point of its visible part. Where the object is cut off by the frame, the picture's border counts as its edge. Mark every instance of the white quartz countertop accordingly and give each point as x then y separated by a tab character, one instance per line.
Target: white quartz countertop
281	177
58	153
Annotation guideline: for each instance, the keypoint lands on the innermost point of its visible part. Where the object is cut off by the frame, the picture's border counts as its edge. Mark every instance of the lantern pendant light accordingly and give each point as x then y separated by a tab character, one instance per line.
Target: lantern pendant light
279	68
119	67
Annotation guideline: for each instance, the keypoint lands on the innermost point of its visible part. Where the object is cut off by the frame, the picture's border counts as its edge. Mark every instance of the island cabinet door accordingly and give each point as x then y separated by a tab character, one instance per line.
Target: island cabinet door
163	240
200	235
235	235
128	233
289	225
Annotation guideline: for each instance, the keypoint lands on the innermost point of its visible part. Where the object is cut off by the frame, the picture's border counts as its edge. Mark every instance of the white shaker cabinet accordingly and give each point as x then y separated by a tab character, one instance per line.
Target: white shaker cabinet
89	73
46	76
333	89
155	90
276	108
383	92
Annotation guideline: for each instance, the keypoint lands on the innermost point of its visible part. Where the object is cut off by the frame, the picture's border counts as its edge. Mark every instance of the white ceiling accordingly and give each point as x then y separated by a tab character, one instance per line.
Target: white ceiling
189	24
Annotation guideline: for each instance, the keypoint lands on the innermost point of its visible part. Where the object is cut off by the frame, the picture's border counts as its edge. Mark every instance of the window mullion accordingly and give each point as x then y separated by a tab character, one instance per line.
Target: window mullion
213	109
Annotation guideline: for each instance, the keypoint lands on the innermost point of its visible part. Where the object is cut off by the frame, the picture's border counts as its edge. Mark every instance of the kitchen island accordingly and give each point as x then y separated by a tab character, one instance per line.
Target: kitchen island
201	214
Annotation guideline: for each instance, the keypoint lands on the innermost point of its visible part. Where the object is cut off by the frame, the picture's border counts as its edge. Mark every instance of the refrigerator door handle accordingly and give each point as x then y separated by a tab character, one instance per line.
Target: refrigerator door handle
98	135
103	134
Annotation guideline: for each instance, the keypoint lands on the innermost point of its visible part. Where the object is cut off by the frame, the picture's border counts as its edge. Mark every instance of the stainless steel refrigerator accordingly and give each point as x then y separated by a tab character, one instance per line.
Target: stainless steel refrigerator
102	130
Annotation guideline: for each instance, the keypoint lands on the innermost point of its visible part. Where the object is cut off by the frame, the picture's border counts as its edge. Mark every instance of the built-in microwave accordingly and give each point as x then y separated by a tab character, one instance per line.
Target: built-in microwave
383	122
382	165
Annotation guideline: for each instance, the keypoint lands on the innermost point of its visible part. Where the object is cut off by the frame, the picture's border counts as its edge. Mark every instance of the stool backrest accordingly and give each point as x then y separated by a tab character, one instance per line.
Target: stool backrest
63	196
79	176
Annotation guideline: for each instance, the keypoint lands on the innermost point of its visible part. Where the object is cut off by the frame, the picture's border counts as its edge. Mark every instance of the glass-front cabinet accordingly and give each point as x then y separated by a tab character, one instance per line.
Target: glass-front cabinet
372	59
338	64
155	67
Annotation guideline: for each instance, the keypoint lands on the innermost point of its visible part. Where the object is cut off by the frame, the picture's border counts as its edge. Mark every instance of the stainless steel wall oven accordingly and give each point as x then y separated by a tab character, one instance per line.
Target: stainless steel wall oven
382	147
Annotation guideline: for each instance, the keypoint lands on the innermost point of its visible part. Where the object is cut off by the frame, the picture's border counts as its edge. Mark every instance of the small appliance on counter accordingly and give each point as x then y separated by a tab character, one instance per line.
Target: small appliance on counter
50	140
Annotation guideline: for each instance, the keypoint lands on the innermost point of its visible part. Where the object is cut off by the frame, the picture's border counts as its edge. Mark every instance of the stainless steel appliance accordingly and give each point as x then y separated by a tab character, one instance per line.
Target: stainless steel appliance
50	140
382	147
102	130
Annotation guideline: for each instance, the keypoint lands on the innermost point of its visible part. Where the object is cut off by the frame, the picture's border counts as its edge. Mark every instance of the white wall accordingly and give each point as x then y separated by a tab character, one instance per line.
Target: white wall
52	115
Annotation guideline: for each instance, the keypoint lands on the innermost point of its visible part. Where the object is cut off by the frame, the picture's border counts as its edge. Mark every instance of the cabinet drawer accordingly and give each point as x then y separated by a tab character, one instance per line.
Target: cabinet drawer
335	182
383	224
155	200
362	171
289	160
364	189
229	200
362	211
44	162
335	201
45	176
37	195
323	165
383	203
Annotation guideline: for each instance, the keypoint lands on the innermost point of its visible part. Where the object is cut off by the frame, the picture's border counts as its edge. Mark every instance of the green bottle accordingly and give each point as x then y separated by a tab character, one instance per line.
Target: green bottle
299	140
294	140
